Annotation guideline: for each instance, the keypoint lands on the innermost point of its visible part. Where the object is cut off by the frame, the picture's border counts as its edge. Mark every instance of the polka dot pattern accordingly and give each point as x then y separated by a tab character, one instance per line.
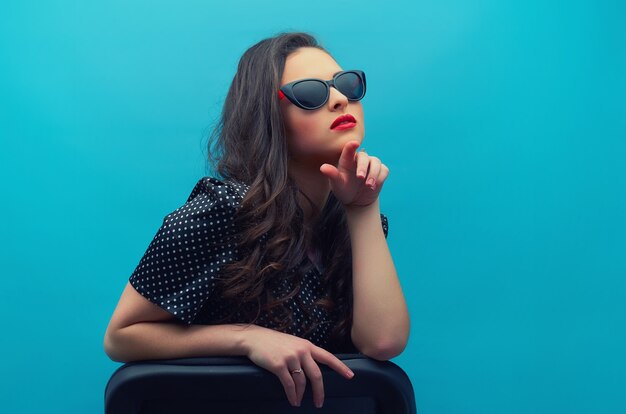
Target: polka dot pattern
178	270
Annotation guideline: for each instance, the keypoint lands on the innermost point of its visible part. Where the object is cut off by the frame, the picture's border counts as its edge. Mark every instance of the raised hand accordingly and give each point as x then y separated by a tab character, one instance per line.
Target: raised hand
358	177
282	353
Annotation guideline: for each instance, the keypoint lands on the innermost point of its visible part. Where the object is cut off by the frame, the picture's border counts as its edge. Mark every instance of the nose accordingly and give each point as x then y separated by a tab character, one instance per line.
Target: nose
336	100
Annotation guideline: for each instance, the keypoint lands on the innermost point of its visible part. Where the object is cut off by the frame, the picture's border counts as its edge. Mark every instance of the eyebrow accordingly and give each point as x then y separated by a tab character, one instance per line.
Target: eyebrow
332	75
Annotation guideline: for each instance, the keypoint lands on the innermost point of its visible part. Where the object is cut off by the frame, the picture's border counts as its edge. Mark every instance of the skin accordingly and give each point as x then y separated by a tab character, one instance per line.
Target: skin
322	160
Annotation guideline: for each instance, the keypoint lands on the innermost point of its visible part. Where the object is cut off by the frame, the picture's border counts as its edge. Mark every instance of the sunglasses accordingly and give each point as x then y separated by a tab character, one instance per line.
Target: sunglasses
311	93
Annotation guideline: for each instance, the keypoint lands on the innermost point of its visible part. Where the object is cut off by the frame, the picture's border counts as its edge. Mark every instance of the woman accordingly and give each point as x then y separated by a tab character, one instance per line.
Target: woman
284	257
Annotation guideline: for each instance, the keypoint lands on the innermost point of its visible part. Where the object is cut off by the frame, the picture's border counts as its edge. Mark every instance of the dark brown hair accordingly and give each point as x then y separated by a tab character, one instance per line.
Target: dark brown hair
249	145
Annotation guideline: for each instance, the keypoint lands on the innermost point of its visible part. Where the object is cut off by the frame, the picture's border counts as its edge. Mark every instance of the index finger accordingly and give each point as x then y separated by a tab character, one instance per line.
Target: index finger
325	357
347	159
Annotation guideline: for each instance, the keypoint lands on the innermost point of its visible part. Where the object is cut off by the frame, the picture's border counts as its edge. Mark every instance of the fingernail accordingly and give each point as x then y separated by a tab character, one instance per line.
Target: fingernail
370	182
361	174
350	374
318	404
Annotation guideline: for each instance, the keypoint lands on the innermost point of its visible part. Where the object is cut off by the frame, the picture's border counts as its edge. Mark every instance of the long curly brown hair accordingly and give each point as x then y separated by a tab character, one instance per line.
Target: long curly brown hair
249	145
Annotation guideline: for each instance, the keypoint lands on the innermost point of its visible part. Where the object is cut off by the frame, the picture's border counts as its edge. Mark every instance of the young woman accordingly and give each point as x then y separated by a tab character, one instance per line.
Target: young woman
283	258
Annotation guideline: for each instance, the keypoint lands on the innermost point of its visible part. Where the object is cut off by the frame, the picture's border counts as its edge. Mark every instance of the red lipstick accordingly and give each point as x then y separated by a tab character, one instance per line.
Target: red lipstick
345	121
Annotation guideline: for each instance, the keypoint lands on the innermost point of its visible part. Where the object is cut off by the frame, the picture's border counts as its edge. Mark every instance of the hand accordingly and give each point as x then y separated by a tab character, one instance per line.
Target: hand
282	353
352	182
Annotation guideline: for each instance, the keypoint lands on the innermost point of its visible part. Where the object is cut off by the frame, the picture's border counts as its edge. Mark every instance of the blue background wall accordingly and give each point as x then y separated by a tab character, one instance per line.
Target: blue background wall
503	125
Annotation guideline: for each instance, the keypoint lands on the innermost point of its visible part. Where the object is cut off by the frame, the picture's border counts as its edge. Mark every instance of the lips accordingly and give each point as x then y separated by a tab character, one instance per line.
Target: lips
343	118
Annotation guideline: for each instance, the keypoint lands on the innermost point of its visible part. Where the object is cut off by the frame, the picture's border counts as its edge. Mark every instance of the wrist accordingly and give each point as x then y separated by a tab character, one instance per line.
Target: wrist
245	341
356	209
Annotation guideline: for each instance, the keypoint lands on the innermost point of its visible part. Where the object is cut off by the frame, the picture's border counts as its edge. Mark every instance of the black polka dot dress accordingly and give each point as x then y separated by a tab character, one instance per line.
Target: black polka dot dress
178	270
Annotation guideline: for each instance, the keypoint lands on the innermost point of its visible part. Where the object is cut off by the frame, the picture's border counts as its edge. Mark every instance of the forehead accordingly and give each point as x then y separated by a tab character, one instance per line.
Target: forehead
309	62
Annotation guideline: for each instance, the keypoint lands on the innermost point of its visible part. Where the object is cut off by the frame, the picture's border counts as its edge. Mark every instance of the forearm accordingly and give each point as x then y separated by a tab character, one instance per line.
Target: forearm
166	340
380	314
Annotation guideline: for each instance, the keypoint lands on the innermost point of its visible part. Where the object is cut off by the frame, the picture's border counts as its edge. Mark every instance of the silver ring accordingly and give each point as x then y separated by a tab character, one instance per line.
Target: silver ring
296	371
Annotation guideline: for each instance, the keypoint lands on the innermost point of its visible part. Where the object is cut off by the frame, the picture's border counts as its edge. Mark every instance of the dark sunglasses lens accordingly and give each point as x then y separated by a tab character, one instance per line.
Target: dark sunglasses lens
310	93
351	85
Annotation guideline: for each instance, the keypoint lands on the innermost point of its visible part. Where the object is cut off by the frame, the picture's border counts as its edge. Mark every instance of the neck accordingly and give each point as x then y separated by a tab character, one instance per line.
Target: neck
314	189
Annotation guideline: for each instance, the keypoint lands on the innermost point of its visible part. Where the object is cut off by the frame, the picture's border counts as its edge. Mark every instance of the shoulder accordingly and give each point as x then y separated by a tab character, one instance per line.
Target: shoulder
178	270
227	189
211	195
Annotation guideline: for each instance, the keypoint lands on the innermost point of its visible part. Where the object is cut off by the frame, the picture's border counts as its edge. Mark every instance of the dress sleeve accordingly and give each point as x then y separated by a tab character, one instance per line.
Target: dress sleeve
178	269
385	223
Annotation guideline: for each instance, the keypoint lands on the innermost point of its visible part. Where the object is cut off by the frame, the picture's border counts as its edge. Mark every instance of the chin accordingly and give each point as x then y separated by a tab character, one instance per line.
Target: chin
354	135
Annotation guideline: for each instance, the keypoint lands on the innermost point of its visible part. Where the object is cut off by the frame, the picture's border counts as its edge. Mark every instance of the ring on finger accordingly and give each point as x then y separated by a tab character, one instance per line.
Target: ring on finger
297	371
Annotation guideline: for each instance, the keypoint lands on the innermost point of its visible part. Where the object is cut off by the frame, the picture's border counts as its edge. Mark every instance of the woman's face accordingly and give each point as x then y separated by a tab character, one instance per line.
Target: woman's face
309	137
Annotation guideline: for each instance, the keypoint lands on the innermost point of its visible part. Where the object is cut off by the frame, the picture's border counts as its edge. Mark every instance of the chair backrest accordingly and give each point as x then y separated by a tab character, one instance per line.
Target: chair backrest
236	385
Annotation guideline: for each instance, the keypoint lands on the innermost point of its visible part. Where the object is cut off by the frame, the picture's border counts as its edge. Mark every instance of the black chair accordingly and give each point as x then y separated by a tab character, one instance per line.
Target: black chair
237	385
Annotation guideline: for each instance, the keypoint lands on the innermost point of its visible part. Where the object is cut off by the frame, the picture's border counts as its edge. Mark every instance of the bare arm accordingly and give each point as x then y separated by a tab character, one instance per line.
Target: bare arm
141	330
381	323
165	340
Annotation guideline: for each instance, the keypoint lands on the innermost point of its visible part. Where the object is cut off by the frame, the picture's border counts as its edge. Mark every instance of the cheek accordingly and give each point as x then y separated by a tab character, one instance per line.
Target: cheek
303	130
358	113
304	126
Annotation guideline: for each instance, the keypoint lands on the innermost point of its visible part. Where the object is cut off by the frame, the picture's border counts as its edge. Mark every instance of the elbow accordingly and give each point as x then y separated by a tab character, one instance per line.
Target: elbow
381	347
110	348
385	351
